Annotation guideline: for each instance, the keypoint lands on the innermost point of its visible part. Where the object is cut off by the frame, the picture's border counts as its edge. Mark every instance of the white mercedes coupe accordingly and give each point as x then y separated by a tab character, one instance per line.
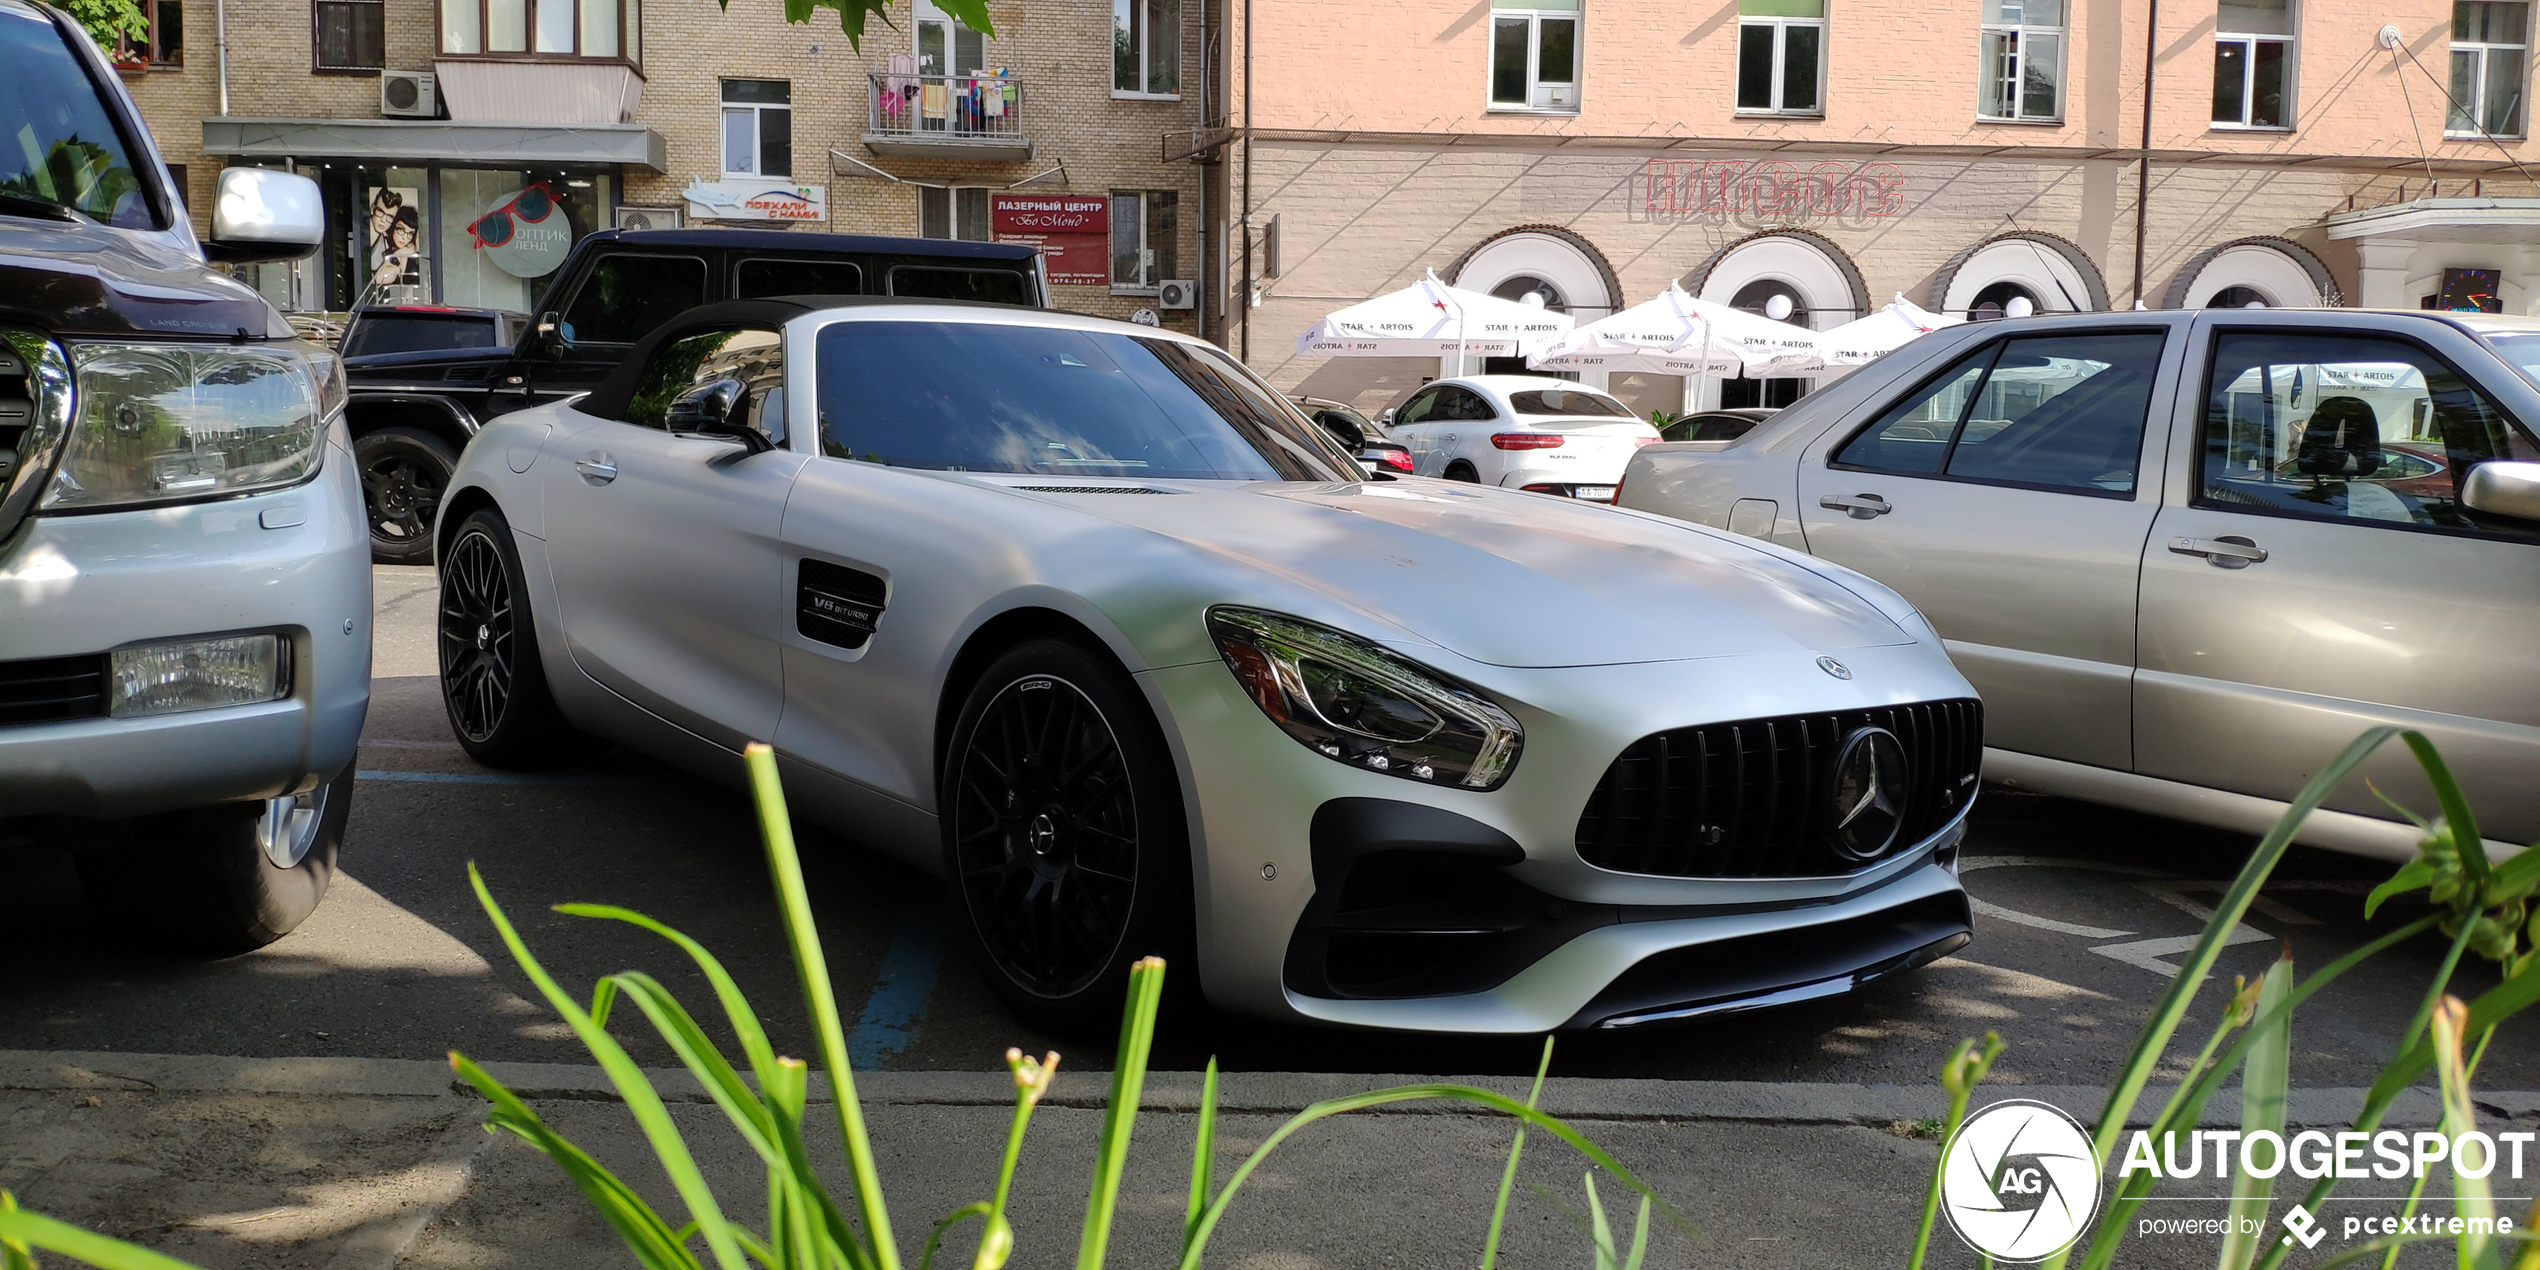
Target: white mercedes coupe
1091	621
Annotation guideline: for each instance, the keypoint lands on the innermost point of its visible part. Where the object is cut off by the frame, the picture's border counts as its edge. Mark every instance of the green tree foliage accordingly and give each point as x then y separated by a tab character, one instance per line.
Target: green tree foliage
107	20
852	14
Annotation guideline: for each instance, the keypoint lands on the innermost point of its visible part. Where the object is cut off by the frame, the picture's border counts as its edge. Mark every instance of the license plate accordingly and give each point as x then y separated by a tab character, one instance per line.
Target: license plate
1593	493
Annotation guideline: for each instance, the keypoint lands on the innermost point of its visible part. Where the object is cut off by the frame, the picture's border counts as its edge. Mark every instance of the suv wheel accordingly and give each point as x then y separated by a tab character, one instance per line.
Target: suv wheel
1063	835
405	471
492	682
222	879
1460	470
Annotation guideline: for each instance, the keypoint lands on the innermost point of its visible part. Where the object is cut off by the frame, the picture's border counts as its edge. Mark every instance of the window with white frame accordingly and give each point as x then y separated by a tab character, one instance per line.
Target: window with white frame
1144	225
758	127
1534	55
2491	44
1146	48
2253	64
959	211
574	30
2023	68
1781	56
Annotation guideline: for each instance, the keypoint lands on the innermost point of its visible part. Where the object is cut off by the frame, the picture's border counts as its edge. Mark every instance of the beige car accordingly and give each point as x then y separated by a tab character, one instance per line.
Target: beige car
2187	556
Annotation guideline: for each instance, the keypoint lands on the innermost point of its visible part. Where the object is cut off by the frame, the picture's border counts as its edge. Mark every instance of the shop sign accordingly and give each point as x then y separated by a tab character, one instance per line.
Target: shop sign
1772	188
527	234
755	198
1073	232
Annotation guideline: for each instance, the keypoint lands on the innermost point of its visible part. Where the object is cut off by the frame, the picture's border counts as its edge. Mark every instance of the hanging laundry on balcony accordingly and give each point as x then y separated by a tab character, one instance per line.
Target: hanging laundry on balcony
930	102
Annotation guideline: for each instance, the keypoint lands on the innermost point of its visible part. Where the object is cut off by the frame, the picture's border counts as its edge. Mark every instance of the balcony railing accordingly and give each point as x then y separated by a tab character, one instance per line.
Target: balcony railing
947	116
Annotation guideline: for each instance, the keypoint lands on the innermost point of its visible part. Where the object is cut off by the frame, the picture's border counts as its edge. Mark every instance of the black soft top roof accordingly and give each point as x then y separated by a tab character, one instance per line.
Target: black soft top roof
801	243
609	400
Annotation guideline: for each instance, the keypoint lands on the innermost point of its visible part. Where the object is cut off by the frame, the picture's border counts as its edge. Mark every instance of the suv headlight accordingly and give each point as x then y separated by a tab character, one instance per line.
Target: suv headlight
161	423
1356	702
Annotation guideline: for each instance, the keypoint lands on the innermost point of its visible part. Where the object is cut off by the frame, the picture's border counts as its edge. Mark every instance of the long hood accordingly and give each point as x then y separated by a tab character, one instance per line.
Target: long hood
1513	579
95	280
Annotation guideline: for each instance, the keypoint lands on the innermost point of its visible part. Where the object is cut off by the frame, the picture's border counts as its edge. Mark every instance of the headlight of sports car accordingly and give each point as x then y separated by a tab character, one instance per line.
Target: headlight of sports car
161	422
1358	703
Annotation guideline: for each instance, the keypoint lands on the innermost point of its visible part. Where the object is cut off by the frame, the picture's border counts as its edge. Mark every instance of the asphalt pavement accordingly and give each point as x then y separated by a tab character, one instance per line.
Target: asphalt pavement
2082	912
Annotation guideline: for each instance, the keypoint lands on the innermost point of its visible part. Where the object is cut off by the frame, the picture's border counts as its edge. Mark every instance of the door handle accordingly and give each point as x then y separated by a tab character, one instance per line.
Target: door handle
1859	507
596	468
2228	552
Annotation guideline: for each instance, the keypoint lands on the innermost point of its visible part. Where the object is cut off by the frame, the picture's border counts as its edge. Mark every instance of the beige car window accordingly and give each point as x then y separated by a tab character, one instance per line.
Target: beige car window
2319	424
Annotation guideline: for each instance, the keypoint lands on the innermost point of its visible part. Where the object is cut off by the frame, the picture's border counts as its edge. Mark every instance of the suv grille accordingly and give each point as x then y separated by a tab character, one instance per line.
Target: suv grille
1755	798
52	689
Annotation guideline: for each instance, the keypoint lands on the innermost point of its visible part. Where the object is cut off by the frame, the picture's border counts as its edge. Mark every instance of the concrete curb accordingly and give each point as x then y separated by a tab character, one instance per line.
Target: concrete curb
1257	1093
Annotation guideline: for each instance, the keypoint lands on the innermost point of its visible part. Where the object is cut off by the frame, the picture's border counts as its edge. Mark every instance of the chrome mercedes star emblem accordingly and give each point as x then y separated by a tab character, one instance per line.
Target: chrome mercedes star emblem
1867	795
1834	668
1044	835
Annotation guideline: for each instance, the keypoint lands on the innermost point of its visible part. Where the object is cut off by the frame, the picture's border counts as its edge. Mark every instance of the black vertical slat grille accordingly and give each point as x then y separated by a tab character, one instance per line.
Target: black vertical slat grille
52	689
1748	799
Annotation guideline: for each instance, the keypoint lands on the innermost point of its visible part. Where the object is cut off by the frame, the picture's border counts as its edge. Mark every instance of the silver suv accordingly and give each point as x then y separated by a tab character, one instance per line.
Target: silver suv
184	565
2187	556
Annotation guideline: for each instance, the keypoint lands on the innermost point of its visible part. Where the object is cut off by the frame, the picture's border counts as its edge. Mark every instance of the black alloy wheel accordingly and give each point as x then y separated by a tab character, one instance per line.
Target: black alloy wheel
405	474
1064	836
1460	470
492	683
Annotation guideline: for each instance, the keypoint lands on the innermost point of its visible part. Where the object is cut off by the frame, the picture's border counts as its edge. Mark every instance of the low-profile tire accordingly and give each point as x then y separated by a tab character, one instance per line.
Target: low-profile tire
1460	470
405	473
493	684
222	879
1065	846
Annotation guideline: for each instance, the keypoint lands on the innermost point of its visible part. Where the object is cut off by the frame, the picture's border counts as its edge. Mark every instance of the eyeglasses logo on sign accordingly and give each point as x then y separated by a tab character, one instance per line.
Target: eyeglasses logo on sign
527	234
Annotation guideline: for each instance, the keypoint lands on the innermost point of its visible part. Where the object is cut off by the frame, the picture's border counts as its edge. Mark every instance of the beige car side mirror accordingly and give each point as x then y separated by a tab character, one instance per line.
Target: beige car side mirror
2503	488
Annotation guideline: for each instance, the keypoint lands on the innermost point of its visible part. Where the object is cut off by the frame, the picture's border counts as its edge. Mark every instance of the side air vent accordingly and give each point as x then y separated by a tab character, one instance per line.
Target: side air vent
1093	489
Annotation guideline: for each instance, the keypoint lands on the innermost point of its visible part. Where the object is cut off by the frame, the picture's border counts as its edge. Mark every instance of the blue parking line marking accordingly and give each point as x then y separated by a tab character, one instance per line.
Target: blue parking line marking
484	778
904	986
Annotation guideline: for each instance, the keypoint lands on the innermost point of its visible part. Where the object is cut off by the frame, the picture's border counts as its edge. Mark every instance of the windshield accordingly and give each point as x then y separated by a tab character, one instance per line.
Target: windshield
1557	401
982	397
58	146
2521	348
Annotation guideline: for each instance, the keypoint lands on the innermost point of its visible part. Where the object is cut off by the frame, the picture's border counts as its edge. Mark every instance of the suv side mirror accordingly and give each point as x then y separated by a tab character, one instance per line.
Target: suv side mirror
718	409
262	215
546	339
2501	487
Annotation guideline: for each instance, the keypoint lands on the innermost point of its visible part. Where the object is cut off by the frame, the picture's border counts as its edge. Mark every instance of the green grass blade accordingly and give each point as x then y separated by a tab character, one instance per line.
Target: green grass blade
1508	1175
2413	876
2477	1198
1330	1107
1599	1232
1640	1237
977	1208
641	1099
785	862
2263	1085
689	1041
737	1010
1203	1152
2456	813
638	1226
2172	1009
38	1232
1128	1085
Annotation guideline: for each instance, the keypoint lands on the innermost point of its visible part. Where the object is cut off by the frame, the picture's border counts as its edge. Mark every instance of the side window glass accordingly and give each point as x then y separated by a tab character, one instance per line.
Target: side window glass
1472	405
627	297
2318	424
1913	436
758	278
753	357
990	286
2064	413
1416	410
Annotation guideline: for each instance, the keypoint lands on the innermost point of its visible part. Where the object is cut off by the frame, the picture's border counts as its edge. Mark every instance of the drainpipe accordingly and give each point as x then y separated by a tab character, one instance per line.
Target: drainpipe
220	40
1243	300
2143	163
1199	312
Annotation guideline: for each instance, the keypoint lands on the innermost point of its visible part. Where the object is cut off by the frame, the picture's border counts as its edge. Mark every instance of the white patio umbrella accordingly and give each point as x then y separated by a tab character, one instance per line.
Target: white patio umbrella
1431	319
1680	334
1865	340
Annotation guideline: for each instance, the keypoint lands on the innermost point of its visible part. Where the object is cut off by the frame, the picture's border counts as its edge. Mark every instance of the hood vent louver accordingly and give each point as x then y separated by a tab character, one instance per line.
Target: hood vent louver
1092	489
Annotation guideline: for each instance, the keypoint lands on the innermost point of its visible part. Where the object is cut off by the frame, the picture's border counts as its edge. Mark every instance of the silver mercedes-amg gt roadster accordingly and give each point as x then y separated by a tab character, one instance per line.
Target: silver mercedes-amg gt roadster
1091	621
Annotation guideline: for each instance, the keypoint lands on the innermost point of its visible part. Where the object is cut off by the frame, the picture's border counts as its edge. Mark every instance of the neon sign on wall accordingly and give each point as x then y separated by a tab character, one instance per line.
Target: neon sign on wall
1771	188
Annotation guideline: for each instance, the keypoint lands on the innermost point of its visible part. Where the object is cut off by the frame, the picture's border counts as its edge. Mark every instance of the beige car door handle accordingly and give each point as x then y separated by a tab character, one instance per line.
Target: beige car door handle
596	468
2222	553
1859	507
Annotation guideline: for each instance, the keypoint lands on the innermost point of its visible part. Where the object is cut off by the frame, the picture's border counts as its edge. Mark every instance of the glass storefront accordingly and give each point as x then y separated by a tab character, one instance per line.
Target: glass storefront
435	234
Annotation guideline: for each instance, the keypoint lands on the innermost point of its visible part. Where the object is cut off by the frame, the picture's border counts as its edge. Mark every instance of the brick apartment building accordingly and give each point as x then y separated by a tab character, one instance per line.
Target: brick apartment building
554	118
1975	155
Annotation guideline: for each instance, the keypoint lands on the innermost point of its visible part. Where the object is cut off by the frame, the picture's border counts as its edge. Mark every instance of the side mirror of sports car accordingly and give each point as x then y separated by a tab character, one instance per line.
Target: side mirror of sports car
718	409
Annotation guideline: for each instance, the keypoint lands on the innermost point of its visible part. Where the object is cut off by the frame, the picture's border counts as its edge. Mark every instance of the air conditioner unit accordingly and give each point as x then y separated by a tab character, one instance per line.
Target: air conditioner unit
1177	293
408	95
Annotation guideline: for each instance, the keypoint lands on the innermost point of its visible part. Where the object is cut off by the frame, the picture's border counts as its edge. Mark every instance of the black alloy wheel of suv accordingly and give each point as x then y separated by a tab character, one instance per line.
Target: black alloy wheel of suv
405	473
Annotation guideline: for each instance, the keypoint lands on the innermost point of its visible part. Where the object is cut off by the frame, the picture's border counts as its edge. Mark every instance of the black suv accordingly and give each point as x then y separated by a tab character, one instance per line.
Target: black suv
412	412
